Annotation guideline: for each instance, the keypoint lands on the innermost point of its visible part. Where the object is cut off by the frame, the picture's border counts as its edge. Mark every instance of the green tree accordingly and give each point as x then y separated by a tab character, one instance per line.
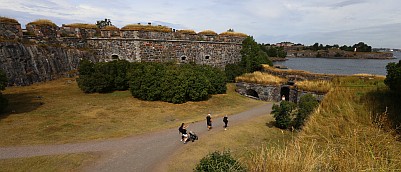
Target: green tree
232	71
219	162
252	56
283	114
306	106
393	77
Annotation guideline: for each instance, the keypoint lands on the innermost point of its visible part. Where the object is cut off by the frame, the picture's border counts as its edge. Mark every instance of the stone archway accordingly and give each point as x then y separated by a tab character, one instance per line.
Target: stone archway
114	57
285	91
252	93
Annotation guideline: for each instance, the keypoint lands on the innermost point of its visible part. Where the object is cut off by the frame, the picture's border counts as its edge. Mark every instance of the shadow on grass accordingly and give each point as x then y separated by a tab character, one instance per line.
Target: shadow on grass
21	103
385	102
271	124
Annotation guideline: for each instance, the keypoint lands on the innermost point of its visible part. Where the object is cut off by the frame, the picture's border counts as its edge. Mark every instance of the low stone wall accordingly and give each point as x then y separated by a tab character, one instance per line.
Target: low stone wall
264	92
273	93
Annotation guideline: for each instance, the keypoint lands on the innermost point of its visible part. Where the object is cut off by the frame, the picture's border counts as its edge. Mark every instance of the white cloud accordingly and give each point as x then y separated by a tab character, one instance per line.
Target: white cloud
278	19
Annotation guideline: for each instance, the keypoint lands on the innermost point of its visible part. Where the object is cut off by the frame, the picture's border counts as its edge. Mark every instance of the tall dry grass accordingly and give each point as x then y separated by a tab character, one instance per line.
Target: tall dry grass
238	34
321	86
187	31
8	20
207	32
82	25
260	78
339	136
42	22
138	27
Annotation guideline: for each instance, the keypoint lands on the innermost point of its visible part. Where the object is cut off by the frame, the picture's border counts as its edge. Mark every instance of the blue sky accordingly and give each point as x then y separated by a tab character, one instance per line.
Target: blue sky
375	22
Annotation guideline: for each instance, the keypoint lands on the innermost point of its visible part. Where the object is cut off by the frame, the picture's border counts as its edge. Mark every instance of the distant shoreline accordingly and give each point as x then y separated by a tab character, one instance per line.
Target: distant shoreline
339	54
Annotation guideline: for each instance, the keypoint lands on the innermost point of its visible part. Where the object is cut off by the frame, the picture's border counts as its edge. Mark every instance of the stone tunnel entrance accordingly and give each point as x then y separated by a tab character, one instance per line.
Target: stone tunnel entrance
252	93
285	91
114	57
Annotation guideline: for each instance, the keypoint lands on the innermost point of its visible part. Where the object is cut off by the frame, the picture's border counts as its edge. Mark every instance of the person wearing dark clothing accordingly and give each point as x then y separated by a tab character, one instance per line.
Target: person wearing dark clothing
225	120
209	121
184	134
180	131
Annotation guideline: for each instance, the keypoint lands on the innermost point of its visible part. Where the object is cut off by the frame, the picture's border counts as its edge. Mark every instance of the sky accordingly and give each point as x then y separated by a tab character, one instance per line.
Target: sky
343	22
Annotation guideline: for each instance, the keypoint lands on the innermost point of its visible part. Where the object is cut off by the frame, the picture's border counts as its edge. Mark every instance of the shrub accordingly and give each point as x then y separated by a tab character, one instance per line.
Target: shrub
219	162
306	106
283	114
232	71
393	77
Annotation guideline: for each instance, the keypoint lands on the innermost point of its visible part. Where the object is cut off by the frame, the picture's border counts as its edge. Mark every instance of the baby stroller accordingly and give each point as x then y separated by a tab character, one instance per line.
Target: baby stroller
192	136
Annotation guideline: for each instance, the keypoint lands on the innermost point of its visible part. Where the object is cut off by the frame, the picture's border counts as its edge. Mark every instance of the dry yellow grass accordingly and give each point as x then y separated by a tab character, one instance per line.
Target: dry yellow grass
260	78
67	162
8	20
43	22
59	112
208	32
111	28
320	86
82	25
237	34
339	136
187	31
270	69
241	140
138	27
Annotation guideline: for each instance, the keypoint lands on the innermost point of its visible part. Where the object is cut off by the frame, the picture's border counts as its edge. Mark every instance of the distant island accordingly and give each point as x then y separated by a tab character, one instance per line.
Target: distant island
357	51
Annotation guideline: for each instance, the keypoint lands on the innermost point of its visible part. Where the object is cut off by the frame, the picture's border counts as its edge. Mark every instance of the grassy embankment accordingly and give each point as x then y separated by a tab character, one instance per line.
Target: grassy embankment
339	136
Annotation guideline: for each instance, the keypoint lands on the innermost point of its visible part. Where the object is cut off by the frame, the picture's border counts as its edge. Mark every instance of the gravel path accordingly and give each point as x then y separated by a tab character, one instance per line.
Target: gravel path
136	153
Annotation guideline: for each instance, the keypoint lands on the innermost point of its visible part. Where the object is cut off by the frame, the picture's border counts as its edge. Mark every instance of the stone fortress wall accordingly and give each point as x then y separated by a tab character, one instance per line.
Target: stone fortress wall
41	43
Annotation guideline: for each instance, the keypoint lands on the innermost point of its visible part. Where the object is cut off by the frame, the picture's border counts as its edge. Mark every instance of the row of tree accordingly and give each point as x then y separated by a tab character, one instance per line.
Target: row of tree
153	81
3	84
359	47
273	51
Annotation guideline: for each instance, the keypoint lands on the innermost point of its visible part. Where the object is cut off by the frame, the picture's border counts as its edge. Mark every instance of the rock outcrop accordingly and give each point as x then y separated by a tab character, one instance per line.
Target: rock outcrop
27	64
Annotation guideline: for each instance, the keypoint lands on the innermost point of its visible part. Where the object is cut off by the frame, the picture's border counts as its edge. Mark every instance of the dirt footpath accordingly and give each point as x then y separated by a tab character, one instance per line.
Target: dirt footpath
137	153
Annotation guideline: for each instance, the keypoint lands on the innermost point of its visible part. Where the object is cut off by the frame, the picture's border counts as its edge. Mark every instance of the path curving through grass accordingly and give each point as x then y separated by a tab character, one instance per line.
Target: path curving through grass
144	152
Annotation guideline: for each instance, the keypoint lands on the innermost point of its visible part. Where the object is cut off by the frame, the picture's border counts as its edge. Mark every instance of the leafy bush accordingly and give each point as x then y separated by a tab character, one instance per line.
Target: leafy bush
283	114
289	114
306	106
103	77
232	71
393	77
218	162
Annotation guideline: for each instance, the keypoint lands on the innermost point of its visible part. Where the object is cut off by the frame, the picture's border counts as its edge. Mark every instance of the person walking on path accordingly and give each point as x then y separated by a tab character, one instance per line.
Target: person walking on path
180	131
225	120
209	121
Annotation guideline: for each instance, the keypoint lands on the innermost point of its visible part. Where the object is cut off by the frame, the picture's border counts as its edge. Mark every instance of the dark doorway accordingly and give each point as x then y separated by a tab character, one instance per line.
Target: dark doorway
114	57
183	58
285	91
252	93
